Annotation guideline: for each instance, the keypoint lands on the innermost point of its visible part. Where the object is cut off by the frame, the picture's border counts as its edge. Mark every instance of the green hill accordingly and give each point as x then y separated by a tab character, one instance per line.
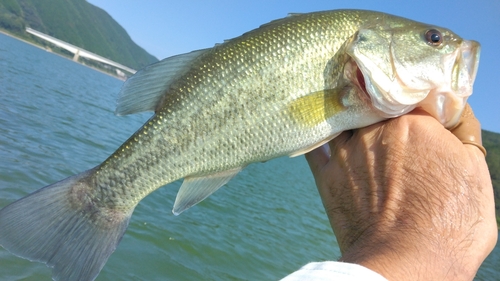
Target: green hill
77	22
491	142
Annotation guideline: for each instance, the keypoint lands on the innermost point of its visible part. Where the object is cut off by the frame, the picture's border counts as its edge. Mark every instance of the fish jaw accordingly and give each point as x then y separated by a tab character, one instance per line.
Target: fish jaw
446	103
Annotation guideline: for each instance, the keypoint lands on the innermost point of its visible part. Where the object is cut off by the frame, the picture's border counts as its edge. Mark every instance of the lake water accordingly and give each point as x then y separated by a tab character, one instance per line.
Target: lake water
56	119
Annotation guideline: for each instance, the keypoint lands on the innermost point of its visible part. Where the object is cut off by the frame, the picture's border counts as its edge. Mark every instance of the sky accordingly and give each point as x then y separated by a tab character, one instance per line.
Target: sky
165	28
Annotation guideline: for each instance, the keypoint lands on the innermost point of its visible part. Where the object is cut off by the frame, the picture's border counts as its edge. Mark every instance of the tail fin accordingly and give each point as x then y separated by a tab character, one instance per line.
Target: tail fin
62	227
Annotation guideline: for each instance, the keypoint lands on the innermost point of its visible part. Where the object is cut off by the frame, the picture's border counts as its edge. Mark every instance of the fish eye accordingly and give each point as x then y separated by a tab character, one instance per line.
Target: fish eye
433	37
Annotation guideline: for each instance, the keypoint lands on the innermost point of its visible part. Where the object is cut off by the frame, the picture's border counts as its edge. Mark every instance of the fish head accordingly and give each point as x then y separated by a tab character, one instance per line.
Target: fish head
407	65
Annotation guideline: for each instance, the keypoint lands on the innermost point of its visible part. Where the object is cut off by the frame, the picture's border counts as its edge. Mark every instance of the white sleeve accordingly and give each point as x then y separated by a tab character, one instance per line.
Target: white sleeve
332	270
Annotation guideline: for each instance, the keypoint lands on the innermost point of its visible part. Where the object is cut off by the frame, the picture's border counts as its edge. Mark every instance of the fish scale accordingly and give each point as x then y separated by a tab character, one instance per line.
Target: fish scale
282	89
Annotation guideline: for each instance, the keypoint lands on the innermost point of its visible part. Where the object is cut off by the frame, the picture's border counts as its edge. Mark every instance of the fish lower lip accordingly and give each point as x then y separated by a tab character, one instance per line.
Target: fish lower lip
470	56
465	68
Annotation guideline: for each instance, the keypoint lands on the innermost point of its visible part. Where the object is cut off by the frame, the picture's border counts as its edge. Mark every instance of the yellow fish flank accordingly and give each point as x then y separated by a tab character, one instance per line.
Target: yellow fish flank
282	89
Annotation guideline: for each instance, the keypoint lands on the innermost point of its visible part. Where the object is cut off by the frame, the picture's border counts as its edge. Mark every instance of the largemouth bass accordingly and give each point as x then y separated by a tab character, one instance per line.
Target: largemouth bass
284	88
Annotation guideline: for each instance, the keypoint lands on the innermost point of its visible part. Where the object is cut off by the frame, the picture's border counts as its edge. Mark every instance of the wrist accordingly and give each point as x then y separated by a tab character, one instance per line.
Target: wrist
393	258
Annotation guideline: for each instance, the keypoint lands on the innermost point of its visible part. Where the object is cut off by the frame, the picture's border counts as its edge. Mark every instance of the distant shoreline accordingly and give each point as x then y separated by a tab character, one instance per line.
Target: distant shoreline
50	51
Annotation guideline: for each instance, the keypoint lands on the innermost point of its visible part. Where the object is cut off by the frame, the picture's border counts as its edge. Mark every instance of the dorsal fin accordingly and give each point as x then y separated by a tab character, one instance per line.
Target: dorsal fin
278	21
144	90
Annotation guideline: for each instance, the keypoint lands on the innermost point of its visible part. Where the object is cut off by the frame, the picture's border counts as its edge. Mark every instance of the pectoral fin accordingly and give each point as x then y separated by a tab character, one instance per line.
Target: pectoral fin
316	107
196	189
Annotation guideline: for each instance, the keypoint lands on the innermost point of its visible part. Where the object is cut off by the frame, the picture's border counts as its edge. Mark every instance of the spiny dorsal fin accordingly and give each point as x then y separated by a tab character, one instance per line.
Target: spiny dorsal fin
277	21
144	90
271	23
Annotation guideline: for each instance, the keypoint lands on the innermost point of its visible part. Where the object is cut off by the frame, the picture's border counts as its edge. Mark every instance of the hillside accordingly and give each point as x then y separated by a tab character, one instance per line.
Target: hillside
491	142
77	22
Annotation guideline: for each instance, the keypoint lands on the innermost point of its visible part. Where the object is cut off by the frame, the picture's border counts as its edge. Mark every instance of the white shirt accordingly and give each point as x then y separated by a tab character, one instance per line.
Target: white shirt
332	270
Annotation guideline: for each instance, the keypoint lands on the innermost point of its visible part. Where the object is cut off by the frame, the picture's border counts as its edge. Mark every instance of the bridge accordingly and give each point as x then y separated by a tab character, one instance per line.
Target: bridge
77	51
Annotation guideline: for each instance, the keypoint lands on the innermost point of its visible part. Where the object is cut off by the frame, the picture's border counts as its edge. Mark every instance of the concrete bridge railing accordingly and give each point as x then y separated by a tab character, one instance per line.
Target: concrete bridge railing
77	51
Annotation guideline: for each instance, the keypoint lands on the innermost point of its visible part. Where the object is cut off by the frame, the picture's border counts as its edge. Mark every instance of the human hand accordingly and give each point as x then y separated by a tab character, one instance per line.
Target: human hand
407	199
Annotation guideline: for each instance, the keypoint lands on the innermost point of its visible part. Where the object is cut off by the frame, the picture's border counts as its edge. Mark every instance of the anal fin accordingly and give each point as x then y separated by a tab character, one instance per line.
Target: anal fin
196	189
